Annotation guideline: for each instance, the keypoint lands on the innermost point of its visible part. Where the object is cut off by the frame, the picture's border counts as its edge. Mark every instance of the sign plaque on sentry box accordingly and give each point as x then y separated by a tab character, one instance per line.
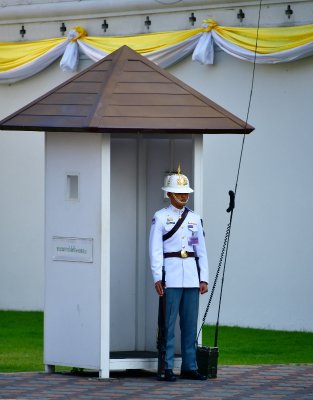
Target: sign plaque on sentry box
72	249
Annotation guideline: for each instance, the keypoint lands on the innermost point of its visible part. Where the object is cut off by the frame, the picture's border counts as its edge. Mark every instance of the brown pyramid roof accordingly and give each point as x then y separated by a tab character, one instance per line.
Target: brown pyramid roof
125	92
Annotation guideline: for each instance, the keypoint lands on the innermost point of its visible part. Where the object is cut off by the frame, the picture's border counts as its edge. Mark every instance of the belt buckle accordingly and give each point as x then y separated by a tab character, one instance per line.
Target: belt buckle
184	254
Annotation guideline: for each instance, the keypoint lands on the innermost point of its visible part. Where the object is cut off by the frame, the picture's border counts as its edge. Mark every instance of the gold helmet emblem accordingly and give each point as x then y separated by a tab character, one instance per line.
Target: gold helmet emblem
182	179
177	183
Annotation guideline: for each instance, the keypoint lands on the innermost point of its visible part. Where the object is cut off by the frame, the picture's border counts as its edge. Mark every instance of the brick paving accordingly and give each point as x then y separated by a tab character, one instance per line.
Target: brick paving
258	382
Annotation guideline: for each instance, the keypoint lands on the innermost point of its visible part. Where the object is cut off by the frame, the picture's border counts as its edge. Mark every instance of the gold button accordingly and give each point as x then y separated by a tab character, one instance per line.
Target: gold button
184	253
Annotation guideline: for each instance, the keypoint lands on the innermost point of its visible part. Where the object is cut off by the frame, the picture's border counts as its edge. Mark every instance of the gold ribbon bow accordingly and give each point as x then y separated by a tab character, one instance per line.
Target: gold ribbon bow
208	25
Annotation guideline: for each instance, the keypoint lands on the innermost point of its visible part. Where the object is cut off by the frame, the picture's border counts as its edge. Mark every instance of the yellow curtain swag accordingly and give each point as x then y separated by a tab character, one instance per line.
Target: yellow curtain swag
276	44
14	55
142	43
269	40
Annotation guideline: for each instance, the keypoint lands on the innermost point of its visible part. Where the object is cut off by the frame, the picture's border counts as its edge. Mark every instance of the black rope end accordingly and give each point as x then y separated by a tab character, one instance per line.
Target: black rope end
231	201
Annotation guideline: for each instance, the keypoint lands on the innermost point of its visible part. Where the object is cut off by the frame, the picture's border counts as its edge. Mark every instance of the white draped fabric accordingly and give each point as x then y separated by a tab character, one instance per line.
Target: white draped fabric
201	43
164	57
273	58
33	67
204	51
70	59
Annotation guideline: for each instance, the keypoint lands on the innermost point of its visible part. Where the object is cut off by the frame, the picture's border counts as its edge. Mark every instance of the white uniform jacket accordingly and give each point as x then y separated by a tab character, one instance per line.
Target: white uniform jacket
179	272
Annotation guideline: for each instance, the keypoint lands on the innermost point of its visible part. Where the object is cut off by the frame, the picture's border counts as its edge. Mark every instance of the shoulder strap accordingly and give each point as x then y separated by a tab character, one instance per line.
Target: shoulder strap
170	233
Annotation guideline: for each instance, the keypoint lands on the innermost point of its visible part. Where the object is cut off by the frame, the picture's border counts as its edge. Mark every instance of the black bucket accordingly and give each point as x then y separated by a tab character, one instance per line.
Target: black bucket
207	361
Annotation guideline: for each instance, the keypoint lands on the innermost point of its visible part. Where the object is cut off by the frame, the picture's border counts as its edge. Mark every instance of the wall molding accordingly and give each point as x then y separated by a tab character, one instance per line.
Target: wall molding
43	10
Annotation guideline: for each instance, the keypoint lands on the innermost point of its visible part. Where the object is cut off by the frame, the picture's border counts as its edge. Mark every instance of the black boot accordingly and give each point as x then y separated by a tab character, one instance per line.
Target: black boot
169	376
192	374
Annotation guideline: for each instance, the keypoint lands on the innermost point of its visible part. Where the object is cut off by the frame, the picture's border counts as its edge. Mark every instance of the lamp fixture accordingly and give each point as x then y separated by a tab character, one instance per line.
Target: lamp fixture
240	15
62	28
147	22
192	19
288	11
22	31
105	25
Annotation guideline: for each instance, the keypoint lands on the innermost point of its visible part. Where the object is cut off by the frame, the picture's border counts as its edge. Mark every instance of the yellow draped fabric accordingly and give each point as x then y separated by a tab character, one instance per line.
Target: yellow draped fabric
13	55
144	43
270	40
21	60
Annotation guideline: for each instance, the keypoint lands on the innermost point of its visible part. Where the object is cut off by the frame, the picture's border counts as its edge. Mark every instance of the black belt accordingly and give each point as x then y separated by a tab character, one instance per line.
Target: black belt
180	254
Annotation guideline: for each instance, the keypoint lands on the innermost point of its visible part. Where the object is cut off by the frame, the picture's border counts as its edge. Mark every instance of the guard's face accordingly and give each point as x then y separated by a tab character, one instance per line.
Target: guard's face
178	200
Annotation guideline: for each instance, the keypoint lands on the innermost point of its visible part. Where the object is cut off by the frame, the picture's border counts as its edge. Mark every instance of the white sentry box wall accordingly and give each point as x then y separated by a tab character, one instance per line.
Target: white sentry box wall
101	194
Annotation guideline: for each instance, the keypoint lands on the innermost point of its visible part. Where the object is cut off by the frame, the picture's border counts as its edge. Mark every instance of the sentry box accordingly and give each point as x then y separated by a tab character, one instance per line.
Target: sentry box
113	132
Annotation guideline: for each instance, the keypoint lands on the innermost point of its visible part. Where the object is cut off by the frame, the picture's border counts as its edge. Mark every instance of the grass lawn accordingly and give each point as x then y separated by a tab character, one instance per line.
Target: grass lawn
21	344
242	346
21	341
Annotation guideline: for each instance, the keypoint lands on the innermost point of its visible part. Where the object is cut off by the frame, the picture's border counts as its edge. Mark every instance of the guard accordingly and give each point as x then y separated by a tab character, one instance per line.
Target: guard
177	247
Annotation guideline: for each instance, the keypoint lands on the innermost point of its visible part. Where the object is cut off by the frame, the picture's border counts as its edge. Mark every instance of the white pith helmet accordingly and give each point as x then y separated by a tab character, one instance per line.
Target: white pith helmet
177	183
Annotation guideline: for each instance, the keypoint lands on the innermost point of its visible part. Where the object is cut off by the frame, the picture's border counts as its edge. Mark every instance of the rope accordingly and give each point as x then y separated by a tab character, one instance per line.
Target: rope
232	203
250	96
215	279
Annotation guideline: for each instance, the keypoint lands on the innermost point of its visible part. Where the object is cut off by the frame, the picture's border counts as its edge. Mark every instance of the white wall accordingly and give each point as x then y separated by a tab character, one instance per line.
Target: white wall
22	198
124	261
72	289
21	221
269	273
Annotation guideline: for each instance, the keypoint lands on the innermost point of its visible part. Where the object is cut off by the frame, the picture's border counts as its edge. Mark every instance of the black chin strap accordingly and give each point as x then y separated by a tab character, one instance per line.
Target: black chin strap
182	203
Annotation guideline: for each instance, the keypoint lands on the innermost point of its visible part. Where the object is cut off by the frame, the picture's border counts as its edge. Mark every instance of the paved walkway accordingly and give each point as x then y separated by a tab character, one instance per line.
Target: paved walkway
257	382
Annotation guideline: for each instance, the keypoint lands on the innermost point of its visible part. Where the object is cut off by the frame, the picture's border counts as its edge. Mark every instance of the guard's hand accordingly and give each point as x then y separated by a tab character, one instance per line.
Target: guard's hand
203	287
159	288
